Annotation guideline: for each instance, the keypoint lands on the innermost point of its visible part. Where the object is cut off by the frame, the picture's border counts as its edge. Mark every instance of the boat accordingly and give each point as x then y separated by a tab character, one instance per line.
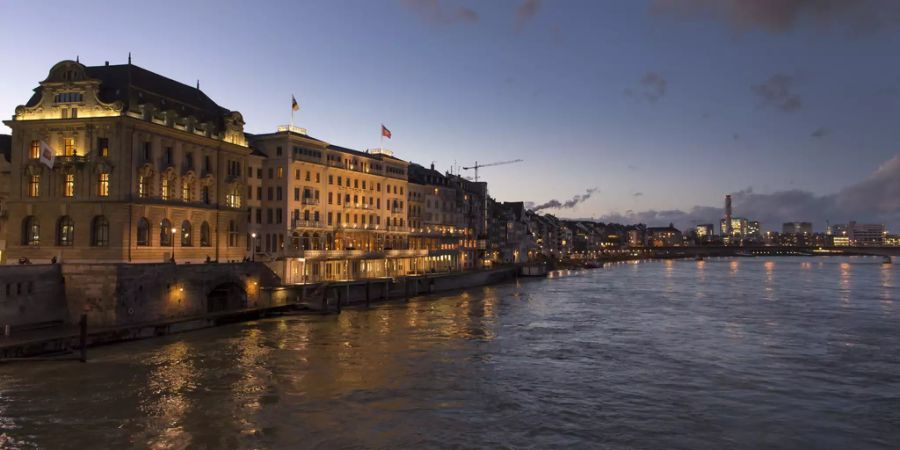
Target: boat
698	258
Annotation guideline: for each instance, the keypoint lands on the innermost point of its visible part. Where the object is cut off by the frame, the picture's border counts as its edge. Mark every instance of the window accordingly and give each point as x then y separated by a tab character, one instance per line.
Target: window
143	186
31	231
100	232
103	147
296	194
232	234
278	150
168	156
330	179
103	185
307	175
329	218
318	178
35	151
69	187
281	172
34	186
186	237
279	215
148	151
143	232
278	193
69	146
233	198
207	166
259	216
165	233
165	189
189	161
204	235
186	190
65	232
205	192
329	198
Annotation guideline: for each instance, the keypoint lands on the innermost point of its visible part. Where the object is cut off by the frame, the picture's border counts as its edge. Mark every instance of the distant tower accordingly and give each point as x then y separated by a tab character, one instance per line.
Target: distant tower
727	230
828	230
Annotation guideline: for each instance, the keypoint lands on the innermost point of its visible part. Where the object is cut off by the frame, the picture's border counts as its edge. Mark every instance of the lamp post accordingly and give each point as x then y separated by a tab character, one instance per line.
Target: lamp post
174	230
253	247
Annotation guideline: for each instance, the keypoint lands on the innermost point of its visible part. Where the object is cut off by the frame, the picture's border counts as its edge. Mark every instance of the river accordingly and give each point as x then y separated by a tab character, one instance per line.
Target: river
722	353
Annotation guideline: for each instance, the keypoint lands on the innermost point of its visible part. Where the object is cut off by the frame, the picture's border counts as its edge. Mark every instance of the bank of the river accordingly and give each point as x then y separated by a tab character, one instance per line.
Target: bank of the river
307	299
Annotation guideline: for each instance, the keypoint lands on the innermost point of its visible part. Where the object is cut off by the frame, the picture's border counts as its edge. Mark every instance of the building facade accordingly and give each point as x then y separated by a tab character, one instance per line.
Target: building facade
145	169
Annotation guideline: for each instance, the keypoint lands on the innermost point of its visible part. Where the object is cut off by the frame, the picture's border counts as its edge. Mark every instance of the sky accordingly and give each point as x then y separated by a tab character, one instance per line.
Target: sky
630	111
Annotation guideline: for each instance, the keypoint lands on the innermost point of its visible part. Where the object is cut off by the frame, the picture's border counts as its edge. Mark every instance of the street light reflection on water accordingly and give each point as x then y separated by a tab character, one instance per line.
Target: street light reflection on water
648	347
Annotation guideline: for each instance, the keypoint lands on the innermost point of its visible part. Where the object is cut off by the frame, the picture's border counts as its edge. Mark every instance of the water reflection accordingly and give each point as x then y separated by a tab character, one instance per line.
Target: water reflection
165	401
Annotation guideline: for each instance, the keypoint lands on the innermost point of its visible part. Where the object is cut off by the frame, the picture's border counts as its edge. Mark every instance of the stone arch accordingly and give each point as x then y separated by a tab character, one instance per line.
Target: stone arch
226	296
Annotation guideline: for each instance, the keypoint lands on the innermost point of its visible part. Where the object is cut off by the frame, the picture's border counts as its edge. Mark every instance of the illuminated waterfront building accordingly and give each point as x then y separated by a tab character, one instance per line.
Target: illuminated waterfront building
331	213
144	166
663	236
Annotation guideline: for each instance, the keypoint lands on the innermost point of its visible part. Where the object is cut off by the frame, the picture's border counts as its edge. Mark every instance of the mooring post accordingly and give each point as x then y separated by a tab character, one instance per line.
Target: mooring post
83	337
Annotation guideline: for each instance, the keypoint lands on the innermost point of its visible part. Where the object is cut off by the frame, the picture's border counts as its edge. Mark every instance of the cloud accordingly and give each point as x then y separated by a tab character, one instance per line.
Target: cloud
526	11
776	92
571	203
652	87
434	12
819	133
875	199
781	16
638	194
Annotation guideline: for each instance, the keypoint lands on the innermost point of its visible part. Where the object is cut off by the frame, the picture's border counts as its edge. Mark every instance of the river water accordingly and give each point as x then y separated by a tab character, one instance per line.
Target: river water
722	353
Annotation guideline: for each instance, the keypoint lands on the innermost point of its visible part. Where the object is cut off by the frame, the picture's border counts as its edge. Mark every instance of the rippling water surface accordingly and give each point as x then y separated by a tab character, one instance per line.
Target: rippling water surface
723	353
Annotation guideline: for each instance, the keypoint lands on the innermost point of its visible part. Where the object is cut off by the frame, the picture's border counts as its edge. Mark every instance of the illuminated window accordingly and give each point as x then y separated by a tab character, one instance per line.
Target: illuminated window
143	186
31	231
103	185
232	234
233	198
69	187
35	152
164	189
34	186
204	235
165	233
186	190
69	146
186	235
65	232
280	172
103	147
143	232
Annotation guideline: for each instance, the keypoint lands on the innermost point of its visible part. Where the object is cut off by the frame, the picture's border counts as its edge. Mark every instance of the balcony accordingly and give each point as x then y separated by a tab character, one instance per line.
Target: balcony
396	210
310	201
405	253
292	129
70	160
302	223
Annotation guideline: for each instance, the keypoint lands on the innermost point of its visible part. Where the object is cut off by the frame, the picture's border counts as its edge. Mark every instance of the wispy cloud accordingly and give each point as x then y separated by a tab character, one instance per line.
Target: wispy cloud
777	92
571	203
651	87
819	133
781	16
433	11
526	11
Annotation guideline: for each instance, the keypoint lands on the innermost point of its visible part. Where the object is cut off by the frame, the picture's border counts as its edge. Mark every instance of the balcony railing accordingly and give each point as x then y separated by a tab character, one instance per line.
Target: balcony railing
310	201
302	223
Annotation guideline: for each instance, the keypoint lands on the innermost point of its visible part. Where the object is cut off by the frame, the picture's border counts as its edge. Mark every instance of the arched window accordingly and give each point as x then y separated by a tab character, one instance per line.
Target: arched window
187	190
165	233
204	234
65	231
100	232
316	242
295	241
143	232
31	231
186	237
232	234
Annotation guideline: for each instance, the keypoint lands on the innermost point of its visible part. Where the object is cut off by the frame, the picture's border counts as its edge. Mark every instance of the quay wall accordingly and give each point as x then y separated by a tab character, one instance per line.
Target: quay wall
31	295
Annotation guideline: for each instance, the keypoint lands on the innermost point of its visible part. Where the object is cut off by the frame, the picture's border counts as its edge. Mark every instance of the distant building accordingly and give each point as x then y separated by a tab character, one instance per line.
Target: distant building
636	237
862	234
739	228
797	228
663	236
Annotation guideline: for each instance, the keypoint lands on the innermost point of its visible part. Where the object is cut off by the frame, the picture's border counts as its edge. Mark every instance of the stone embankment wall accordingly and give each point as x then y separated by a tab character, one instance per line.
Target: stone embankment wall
123	294
31	295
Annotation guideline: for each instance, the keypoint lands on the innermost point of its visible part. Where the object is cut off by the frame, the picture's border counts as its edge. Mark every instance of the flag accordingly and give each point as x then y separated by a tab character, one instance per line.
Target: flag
48	156
294	105
385	132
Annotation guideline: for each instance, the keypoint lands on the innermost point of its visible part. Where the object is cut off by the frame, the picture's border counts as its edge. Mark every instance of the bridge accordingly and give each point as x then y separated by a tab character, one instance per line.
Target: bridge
775	250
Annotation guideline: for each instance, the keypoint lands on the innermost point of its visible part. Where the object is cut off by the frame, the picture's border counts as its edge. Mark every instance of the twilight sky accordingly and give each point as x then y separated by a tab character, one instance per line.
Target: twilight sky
662	106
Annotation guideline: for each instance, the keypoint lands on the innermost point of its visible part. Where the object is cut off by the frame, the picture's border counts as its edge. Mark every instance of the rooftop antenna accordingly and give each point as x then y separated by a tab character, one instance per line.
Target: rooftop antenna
77	59
198	84
129	57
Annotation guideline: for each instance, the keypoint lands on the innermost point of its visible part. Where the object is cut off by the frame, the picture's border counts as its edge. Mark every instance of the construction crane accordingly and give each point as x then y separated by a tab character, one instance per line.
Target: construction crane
478	166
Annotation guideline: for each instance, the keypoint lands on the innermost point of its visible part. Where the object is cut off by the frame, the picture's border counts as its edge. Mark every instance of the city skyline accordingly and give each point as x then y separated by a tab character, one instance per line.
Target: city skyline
672	117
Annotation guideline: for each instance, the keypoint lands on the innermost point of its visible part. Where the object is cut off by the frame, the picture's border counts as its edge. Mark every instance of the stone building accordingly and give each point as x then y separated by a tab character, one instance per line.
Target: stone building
144	166
331	213
438	219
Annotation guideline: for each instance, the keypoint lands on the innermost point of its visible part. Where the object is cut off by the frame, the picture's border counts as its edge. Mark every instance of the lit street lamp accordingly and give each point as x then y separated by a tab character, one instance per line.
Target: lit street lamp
174	230
252	246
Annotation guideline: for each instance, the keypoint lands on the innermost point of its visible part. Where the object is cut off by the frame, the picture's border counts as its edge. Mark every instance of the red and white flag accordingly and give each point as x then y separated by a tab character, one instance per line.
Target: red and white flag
385	132
48	156
294	105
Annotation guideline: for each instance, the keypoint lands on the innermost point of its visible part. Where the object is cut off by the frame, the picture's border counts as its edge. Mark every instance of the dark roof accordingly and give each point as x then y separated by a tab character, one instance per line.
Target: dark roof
419	174
133	86
6	146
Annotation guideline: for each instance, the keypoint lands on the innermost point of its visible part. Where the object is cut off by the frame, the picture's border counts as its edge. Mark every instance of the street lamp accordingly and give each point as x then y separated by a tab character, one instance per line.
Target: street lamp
174	230
252	246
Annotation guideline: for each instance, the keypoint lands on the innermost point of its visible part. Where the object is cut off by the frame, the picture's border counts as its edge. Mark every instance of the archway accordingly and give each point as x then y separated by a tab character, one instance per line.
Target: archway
226	297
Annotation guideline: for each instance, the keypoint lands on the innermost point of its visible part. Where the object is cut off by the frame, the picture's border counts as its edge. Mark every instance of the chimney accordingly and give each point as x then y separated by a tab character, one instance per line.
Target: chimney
106	63
727	231
432	165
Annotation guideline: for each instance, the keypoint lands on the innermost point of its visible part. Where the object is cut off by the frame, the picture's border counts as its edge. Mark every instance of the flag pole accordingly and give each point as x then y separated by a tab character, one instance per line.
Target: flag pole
292	114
